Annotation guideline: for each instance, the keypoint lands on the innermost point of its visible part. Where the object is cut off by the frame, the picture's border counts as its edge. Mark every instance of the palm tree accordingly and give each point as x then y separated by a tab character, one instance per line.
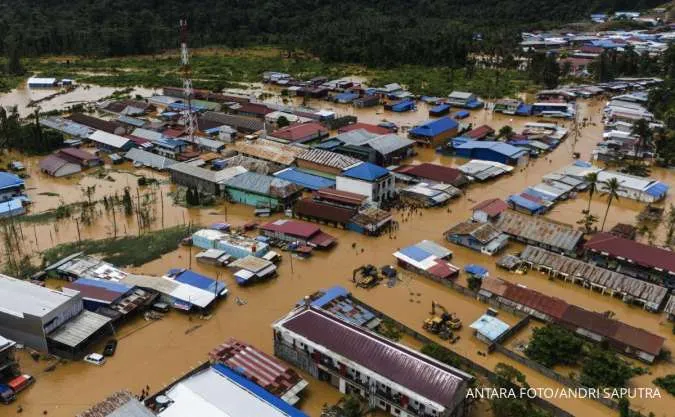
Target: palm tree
612	186
643	132
592	180
506	132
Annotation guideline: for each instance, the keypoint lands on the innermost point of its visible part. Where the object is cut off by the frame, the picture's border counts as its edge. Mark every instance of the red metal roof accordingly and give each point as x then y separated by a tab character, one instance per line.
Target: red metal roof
93	292
299	132
430	379
491	207
173	133
311	208
76	154
443	270
480	132
322	240
378	130
254	108
264	370
438	173
292	228
554	307
630	250
338	196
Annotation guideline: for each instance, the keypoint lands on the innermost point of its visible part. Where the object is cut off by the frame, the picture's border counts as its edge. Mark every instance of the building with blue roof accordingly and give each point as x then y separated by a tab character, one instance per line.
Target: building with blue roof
434	132
440	110
345	98
170	148
218	391
491	151
10	186
522	204
367	179
304	179
11	208
489	329
202	282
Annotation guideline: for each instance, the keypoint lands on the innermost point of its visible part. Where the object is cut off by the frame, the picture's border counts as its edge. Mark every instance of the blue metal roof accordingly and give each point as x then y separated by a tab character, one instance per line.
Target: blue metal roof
328	145
11	207
312	182
258	391
658	189
196	280
440	108
8	180
462	114
107	285
170	143
366	171
499	147
434	127
534	192
477	270
524	109
329	295
416	253
490	327
525	203
346	97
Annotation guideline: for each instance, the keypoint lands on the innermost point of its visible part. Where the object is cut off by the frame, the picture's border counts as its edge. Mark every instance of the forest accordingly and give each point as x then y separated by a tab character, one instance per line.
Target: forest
383	33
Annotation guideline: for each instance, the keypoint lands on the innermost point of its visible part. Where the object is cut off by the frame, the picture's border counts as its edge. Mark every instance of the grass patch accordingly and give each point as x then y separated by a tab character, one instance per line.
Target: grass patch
219	68
124	251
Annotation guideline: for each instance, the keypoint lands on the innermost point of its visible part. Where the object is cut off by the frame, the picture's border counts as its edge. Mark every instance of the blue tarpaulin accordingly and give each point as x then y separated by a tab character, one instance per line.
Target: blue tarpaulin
657	190
476	270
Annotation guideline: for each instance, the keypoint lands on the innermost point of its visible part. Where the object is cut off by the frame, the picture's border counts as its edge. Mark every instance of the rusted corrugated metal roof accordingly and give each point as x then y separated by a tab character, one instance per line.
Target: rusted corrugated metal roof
539	229
630	250
328	158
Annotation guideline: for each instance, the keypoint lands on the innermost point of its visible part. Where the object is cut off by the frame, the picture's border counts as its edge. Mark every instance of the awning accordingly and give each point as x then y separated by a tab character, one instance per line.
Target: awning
79	328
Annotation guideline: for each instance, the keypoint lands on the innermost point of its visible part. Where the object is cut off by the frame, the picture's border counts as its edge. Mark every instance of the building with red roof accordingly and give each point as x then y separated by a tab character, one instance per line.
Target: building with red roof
300	133
488	210
634	258
375	129
435	173
79	156
479	133
297	231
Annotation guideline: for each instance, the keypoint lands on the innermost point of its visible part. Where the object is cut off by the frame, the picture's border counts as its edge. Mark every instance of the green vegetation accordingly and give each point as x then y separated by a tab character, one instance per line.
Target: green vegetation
554	345
666	382
603	368
508	377
389	329
124	251
441	354
28	138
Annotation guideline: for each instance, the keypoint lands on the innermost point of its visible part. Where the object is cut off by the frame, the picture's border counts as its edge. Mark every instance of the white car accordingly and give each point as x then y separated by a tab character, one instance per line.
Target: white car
95	358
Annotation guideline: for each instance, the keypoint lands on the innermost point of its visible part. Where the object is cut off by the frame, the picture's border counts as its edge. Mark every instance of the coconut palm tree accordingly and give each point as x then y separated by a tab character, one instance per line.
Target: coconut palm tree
612	186
592	180
642	130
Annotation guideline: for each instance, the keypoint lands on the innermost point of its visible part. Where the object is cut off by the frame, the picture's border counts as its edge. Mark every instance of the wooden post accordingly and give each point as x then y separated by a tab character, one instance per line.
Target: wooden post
77	224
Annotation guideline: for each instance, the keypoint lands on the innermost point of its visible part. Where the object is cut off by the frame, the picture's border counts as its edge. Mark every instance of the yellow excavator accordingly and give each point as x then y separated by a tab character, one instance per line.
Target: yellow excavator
368	278
442	324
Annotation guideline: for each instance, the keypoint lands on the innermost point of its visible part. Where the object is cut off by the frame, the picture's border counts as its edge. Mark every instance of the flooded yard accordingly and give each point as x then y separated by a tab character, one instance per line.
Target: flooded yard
153	353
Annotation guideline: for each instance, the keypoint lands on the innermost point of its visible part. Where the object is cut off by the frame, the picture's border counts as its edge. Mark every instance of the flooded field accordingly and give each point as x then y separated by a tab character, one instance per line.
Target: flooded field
153	353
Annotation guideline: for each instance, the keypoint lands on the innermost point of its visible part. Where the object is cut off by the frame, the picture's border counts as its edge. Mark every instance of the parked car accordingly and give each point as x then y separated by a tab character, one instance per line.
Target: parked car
110	347
21	382
95	359
6	394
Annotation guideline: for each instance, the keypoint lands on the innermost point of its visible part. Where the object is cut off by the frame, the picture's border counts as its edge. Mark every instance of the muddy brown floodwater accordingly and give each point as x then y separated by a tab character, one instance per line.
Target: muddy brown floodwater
157	352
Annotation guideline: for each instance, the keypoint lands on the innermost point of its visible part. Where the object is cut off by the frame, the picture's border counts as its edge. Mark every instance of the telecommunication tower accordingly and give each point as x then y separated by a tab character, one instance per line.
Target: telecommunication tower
189	119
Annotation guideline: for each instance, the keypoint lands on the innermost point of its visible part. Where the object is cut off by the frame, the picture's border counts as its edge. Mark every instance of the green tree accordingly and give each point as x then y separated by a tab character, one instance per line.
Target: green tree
644	133
554	345
592	180
587	221
612	187
602	368
13	52
508	377
506	132
352	406
127	202
282	121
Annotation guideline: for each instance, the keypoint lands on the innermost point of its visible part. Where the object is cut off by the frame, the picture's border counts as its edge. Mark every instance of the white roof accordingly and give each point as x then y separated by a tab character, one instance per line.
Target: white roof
147	134
178	290
626	181
109	139
21	297
460	95
38	80
210	394
5	343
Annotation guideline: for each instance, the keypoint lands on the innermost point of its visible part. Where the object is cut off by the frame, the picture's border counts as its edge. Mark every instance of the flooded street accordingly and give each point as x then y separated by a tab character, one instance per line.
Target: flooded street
153	353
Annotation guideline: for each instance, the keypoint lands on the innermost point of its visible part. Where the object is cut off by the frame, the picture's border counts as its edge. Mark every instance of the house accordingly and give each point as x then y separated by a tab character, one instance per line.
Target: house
95	123
631	290
488	210
272	119
339	302
47	320
391	376
257	110
269	151
491	151
370	128
9	366
204	180
528	203
110	142
538	231
315	210
368	179
118	404
507	106
641	189
237	246
193	279
170	148
434	173
265	370
429	259
300	133
434	132
367	101
79	156
250	269
149	159
669	309
305	179
327	162
382	150
297	231
484	170
69	128
479	133
481	237
217	391
429	195
489	329
260	190
11	186
440	110
464	100
58	167
632	258
244	125
39	82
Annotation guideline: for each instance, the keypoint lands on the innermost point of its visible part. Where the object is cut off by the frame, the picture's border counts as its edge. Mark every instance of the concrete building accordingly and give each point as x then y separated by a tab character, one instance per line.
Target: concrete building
45	319
328	162
260	190
367	179
205	180
392	377
8	364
